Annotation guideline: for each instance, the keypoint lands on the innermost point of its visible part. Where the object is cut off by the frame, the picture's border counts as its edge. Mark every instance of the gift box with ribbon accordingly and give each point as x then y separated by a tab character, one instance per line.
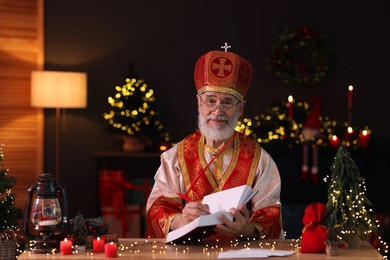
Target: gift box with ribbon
120	216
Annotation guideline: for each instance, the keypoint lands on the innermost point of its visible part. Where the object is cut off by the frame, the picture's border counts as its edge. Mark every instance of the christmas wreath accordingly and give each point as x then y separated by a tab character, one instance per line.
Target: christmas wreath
299	57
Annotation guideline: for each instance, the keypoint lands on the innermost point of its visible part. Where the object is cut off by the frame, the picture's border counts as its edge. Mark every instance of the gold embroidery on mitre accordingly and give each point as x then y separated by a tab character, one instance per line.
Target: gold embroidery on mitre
227	90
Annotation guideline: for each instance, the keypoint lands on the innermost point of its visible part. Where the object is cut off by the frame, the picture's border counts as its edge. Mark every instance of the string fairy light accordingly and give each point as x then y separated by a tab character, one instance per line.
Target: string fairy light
279	127
348	207
132	111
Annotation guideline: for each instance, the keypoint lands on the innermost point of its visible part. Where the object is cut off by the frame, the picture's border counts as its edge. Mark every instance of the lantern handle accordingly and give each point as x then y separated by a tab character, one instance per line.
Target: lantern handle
27	211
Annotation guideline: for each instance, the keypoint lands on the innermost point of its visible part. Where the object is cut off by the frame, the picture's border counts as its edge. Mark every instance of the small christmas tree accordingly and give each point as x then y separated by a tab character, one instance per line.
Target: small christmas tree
347	206
132	111
9	214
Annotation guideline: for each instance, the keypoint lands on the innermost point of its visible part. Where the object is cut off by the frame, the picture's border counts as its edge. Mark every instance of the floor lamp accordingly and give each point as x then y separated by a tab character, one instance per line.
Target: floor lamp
56	89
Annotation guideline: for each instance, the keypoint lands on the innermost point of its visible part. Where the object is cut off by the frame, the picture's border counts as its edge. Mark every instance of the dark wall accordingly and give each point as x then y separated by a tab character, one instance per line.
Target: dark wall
163	39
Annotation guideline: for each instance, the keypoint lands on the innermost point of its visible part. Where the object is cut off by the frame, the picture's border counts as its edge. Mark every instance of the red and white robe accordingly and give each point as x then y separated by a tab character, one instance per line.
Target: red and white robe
245	163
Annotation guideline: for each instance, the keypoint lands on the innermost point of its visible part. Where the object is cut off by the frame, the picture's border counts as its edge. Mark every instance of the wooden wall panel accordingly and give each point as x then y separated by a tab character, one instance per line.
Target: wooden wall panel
21	126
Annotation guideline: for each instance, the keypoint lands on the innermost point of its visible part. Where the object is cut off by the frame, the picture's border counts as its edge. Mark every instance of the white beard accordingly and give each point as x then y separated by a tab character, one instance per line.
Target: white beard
217	133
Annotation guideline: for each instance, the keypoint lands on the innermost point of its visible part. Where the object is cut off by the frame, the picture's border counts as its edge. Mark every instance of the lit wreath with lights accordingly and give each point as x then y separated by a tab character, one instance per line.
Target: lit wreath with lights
132	110
299	57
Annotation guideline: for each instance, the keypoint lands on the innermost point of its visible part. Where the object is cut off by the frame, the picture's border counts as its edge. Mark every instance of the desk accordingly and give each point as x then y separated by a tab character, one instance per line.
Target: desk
156	249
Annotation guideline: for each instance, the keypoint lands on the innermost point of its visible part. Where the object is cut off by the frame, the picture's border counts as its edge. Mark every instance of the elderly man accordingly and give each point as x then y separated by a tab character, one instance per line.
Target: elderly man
215	158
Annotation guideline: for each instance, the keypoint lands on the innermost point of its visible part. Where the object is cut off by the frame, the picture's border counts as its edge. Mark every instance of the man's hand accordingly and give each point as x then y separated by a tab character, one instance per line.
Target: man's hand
190	212
240	225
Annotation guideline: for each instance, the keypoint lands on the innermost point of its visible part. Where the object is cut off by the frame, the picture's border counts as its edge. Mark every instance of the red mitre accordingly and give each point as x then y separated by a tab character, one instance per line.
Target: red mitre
223	72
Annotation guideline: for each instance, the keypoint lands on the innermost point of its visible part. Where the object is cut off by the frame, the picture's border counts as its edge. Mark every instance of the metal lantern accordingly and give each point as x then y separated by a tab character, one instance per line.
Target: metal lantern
46	214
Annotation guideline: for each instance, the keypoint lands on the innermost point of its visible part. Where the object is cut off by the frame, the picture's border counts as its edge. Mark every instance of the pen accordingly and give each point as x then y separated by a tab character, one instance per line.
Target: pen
184	197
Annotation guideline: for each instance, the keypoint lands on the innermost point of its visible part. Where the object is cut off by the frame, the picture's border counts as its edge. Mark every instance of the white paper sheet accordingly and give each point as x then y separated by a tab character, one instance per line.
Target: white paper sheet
254	253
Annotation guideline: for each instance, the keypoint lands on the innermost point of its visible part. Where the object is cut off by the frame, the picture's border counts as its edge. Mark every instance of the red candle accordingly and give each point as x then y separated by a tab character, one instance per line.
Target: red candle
350	90
66	247
364	138
98	245
349	135
110	250
334	141
290	106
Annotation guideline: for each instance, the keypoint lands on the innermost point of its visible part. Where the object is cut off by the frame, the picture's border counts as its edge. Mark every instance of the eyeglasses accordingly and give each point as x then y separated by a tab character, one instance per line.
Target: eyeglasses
212	103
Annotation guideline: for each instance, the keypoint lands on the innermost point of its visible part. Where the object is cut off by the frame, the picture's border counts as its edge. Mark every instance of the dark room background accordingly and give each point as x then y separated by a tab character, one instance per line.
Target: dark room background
163	40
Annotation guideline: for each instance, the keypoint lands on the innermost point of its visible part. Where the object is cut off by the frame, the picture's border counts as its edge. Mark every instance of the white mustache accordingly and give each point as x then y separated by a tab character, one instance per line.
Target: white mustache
220	117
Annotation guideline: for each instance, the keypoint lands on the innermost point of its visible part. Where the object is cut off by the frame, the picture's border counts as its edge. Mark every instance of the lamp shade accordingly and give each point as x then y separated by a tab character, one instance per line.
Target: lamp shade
55	89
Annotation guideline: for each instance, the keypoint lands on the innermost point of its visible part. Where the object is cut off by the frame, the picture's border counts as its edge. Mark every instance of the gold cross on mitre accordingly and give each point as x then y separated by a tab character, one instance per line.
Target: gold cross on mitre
226	47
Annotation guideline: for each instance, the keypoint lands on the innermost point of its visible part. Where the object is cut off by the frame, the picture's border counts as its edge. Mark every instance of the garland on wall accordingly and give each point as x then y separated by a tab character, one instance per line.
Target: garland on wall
283	125
299	57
